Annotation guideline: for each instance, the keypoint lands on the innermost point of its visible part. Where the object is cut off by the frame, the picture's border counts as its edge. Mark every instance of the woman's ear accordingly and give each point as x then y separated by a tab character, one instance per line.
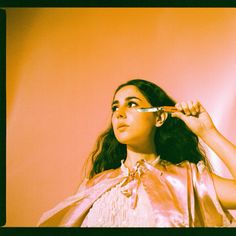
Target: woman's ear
160	118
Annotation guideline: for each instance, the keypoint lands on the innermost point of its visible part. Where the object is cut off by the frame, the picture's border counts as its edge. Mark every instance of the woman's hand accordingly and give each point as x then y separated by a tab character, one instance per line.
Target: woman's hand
198	120
195	117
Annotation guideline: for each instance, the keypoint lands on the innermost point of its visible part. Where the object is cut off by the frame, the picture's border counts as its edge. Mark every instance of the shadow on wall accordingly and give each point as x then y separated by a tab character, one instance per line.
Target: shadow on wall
18	28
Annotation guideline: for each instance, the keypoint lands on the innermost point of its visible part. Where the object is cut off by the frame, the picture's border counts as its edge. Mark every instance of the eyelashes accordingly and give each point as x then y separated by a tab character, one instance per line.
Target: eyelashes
129	105
113	108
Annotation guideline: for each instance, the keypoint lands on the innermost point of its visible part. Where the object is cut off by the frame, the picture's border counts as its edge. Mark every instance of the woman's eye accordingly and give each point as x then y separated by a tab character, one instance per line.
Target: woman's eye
114	108
132	104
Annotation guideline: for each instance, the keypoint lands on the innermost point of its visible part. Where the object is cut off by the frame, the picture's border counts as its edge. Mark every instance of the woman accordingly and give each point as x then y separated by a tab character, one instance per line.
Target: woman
148	169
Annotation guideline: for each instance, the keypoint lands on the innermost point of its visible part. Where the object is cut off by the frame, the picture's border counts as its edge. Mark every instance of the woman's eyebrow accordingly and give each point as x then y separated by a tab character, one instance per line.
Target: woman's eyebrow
126	99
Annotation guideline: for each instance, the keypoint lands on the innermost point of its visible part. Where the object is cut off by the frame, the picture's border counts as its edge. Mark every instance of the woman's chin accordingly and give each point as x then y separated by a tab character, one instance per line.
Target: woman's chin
124	141
128	141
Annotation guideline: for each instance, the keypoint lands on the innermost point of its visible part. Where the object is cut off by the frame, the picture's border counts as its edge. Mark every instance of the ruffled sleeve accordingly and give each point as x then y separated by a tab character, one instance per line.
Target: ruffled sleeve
71	211
208	211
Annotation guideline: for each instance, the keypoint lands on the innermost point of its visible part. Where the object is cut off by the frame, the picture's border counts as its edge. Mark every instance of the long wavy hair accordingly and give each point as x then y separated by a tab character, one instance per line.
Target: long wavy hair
174	141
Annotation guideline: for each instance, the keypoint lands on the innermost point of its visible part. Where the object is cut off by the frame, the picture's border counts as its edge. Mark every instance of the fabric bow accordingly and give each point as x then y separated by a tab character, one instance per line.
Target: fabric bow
131	184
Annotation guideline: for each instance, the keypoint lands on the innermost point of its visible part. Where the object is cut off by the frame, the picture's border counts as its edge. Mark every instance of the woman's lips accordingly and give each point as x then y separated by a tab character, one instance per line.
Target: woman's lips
122	126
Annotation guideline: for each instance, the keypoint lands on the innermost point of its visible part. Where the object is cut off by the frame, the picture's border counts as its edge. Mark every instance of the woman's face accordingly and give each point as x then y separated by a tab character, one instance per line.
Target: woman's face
130	126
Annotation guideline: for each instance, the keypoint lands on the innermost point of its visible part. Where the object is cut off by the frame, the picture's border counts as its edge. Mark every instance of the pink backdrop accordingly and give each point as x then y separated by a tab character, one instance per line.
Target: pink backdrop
63	66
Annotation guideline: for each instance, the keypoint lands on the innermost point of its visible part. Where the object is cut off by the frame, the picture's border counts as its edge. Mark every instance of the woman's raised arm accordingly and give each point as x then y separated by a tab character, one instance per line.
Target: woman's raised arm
198	120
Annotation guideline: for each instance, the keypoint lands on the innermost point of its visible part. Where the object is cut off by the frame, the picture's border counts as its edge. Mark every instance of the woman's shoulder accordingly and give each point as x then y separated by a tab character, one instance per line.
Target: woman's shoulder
183	171
183	165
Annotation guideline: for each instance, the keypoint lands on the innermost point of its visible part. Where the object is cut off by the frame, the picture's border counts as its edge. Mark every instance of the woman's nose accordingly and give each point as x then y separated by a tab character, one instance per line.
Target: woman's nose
121	112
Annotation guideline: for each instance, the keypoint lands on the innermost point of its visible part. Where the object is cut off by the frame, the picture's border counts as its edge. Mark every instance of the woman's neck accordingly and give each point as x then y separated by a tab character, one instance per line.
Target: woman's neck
135	155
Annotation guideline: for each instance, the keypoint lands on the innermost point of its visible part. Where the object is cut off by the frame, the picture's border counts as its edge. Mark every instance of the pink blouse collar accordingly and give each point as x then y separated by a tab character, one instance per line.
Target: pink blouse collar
131	183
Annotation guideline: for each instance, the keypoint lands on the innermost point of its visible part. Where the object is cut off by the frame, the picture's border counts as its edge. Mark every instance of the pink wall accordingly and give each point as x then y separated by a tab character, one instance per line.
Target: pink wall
63	66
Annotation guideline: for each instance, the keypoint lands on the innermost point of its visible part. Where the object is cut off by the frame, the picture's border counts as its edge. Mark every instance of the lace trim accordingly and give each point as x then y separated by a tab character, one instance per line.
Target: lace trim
112	209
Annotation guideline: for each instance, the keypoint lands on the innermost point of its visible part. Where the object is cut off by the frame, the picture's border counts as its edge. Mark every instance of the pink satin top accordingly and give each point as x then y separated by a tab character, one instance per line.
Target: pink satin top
180	195
118	208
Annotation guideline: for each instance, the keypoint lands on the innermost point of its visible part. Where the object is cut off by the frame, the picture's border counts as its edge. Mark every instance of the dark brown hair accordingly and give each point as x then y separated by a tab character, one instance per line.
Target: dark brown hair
175	142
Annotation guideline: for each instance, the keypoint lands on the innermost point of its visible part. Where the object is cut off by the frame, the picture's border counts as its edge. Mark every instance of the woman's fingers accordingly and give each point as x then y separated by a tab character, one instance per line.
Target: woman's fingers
185	108
189	107
192	108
